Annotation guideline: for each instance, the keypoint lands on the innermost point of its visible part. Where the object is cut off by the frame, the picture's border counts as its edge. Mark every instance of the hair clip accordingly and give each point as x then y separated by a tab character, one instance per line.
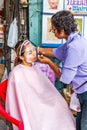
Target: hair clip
23	44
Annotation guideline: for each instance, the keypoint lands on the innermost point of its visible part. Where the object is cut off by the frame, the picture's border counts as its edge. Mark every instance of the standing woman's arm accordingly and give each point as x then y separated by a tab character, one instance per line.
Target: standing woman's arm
46	51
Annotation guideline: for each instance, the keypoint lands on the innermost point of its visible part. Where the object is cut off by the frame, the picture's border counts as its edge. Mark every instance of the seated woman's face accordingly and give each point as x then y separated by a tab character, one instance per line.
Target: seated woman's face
30	53
53	4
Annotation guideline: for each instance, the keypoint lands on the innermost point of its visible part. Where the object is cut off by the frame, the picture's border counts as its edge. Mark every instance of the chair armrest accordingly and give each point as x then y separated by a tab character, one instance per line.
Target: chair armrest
5	115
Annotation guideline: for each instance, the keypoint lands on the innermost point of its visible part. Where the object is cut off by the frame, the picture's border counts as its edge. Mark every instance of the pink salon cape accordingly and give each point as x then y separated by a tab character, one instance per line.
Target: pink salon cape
33	99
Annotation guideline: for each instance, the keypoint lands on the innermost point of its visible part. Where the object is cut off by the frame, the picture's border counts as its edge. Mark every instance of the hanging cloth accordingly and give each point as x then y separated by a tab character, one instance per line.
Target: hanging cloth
13	30
13	34
1	4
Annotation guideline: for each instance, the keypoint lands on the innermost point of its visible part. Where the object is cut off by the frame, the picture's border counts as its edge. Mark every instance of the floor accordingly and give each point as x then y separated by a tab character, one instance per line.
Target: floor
3	125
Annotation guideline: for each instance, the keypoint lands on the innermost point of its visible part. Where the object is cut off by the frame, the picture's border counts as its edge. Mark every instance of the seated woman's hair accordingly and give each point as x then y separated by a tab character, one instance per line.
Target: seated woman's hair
19	49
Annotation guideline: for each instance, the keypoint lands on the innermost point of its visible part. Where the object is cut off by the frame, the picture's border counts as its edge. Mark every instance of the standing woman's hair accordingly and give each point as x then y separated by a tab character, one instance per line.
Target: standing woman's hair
64	20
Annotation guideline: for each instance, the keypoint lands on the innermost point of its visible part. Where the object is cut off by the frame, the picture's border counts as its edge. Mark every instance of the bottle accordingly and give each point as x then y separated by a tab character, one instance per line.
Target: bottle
3	60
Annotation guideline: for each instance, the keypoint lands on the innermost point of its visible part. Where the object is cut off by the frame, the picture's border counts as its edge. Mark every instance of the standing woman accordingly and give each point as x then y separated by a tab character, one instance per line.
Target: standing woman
73	55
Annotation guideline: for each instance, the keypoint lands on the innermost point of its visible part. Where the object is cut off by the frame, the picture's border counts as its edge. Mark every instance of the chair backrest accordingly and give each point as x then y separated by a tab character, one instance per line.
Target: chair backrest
3	88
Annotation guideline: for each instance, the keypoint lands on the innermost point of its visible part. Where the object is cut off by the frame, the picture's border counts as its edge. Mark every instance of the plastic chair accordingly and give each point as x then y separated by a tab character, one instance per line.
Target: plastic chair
3	113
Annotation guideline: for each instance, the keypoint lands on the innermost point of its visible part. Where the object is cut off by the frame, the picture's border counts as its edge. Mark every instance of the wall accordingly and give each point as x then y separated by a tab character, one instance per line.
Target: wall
35	21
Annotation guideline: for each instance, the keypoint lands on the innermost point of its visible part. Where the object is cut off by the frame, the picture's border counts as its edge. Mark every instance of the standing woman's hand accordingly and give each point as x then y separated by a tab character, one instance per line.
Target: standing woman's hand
40	50
45	51
43	59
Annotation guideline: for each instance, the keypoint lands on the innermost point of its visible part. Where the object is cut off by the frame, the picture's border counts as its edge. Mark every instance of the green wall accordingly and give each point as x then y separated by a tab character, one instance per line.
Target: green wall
35	21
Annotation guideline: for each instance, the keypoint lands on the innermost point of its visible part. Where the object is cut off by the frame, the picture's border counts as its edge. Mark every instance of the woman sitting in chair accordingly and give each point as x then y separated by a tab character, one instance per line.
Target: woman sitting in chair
32	98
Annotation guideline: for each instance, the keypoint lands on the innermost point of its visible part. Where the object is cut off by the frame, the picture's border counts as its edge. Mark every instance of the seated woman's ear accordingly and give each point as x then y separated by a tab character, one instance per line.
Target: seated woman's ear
21	58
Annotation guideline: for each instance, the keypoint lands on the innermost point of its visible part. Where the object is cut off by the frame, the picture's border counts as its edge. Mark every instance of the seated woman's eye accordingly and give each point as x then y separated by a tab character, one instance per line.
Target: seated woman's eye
28	52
